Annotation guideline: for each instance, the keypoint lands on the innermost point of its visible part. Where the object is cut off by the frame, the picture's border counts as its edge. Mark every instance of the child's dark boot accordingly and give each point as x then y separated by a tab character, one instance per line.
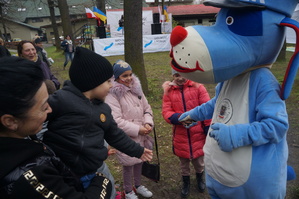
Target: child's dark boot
200	182
186	186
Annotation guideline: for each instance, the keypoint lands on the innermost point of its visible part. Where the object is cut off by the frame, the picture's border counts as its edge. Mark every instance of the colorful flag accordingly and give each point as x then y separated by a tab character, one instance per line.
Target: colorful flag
166	14
89	14
97	12
160	14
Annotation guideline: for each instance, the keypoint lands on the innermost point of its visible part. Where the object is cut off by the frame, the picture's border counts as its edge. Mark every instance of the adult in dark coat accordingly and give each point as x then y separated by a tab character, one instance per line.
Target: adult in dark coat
29	168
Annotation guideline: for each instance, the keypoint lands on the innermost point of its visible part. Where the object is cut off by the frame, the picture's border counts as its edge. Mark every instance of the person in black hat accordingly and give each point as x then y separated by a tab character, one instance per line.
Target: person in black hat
81	121
41	52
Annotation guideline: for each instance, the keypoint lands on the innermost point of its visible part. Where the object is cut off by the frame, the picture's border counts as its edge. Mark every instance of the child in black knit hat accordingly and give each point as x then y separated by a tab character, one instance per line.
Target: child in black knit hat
81	121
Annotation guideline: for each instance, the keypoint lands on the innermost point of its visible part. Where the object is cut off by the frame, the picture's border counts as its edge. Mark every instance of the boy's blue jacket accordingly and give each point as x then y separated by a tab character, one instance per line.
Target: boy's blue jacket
78	127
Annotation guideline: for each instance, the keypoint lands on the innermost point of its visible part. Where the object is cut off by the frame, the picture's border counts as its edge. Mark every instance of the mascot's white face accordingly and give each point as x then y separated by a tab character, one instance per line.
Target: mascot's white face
247	34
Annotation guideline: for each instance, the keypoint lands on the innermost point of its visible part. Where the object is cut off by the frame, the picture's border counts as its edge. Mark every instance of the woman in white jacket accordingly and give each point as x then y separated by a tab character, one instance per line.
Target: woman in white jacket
133	114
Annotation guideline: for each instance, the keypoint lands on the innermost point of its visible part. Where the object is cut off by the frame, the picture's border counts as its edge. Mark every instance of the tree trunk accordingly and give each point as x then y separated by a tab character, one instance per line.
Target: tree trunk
101	5
3	22
54	24
65	18
133	40
156	2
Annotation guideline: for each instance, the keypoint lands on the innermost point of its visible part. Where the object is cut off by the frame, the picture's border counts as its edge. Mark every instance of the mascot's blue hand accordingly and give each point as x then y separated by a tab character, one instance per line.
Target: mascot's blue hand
187	120
221	133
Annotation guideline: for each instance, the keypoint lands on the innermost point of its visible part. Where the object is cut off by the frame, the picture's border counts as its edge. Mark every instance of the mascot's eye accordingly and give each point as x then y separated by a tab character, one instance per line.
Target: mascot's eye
229	20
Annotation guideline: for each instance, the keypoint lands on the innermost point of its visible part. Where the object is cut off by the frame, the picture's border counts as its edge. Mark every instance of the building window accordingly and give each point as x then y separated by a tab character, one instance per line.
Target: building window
37	20
21	9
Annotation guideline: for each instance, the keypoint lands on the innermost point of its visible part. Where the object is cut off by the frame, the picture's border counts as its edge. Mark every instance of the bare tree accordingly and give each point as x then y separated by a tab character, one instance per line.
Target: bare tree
65	18
156	2
101	5
133	39
2	4
51	4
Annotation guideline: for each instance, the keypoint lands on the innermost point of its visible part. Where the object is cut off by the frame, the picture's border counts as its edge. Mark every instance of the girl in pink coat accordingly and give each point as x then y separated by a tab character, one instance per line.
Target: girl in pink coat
182	95
133	114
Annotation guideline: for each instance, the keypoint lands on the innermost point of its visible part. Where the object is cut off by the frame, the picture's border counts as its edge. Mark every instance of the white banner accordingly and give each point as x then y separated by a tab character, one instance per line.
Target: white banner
114	19
115	46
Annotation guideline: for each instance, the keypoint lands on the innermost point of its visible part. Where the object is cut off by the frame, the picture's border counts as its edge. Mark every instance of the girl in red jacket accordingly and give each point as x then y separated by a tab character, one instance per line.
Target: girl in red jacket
182	95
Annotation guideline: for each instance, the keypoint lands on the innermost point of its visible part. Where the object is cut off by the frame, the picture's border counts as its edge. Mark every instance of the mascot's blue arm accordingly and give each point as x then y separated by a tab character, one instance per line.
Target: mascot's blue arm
294	62
204	111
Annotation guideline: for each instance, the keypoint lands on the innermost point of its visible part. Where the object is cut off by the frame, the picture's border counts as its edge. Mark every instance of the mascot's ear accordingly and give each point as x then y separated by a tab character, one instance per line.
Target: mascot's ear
293	66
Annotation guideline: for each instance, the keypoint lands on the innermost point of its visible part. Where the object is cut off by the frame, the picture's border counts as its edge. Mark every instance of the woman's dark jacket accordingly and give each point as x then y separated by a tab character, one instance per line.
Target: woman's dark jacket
64	44
29	169
78	127
47	73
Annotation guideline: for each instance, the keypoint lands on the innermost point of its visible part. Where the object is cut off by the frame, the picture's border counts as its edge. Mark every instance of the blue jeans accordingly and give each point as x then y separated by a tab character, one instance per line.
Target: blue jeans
68	57
104	170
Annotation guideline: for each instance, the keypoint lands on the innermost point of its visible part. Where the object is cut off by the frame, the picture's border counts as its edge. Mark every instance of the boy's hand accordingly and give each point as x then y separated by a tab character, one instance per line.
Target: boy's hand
147	155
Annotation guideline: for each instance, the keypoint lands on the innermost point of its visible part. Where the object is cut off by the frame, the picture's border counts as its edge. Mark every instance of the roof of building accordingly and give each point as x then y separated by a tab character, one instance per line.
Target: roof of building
183	9
35	9
21	10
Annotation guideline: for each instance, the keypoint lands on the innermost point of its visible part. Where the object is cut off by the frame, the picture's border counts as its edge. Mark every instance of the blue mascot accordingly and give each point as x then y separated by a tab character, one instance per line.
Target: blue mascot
246	151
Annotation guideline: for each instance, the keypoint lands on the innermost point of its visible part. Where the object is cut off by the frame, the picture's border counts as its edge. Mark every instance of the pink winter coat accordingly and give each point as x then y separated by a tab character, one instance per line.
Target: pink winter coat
187	143
130	110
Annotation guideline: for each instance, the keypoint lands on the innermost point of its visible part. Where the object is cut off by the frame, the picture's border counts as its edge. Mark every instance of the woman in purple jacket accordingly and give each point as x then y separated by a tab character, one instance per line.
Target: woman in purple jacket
27	50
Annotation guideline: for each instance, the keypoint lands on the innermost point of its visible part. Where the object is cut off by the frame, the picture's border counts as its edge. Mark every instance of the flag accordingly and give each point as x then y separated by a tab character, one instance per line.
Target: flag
160	13
166	14
97	12
89	14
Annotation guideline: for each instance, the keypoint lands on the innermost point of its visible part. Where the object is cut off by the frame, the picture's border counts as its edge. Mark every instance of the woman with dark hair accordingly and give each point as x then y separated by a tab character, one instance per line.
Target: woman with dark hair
69	49
27	50
29	169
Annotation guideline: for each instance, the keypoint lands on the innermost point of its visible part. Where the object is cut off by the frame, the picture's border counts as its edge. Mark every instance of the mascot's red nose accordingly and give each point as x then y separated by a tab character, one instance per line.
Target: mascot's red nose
178	34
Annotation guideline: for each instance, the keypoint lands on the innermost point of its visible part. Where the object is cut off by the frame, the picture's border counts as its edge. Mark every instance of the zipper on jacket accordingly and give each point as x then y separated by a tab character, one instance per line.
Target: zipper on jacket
83	134
188	131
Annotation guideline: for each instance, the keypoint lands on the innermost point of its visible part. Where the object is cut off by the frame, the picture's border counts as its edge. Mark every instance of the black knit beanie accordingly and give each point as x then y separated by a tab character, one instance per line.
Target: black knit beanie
89	69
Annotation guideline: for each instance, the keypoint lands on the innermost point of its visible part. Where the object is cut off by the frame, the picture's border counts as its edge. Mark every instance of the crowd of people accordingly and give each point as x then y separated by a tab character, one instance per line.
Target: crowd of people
101	106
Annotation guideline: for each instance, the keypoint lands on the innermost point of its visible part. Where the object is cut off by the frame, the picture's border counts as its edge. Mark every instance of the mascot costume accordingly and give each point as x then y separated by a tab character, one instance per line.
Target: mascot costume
246	151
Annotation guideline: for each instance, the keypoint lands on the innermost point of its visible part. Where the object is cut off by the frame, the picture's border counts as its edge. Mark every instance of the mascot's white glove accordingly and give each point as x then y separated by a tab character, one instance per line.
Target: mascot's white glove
222	134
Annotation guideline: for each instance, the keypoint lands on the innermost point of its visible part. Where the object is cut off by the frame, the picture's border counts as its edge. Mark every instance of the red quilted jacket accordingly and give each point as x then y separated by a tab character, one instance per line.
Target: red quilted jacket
187	143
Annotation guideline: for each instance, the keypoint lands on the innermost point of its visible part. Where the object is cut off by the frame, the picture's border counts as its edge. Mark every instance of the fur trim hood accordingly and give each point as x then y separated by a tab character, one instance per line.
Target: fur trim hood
119	90
171	85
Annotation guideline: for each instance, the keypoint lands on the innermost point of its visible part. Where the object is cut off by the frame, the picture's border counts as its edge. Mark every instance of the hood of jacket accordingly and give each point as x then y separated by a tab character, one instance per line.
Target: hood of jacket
172	85
119	90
